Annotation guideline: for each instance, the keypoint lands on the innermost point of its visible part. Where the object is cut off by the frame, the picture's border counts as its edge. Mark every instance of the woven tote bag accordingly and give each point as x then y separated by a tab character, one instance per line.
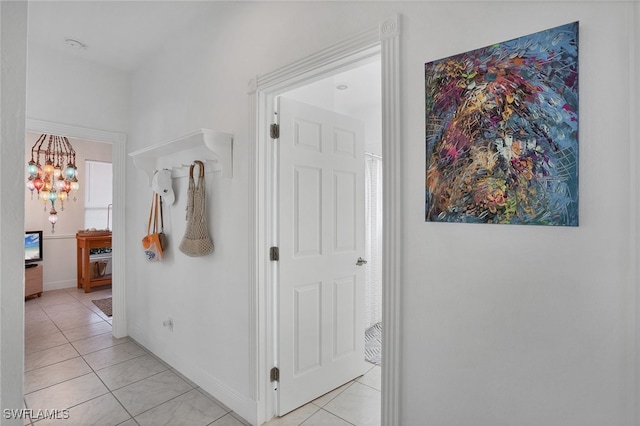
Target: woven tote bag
196	240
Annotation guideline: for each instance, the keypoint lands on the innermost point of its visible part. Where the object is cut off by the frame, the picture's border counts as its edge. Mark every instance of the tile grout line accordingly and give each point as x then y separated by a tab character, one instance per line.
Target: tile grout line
82	356
334	414
111	391
156	406
192	386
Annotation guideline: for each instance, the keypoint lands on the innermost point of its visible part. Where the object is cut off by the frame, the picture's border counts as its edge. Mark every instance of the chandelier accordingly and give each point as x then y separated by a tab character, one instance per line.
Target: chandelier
52	173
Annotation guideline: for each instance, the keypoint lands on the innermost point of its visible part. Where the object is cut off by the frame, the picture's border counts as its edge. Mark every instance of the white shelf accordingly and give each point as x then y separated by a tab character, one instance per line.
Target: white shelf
215	149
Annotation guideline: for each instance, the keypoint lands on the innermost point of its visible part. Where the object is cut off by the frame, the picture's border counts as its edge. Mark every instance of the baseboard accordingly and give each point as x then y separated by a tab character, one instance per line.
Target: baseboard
57	285
239	404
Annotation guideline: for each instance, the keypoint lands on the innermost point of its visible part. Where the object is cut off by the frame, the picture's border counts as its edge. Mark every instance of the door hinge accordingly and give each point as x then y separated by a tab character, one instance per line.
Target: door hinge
274	253
275	131
274	375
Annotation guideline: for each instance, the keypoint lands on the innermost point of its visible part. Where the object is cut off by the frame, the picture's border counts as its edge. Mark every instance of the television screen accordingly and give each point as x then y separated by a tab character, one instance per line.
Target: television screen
33	246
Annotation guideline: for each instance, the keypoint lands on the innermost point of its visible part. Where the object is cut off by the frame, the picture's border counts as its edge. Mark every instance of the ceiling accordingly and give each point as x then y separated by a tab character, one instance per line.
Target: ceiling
354	92
123	34
118	34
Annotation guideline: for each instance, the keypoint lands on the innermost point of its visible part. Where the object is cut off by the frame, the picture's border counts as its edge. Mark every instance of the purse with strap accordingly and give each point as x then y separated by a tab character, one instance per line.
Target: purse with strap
152	243
196	240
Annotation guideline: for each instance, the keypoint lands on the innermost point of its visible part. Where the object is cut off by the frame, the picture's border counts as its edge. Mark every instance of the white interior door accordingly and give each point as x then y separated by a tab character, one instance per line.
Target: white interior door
321	225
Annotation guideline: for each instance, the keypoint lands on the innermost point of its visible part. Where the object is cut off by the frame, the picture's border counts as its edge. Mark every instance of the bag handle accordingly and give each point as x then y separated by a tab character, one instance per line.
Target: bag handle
193	186
201	164
200	189
161	218
201	172
150	215
155	216
153	213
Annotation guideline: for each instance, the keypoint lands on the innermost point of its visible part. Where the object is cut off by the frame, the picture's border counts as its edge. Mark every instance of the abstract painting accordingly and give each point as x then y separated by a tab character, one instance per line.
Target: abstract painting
502	132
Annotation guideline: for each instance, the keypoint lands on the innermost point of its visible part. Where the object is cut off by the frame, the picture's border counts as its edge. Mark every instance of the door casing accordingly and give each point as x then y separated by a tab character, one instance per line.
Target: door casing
382	40
119	157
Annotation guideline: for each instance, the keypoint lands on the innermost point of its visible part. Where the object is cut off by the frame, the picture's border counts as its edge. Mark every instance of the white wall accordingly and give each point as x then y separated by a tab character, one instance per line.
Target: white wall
634	297
500	324
516	324
13	62
63	88
59	264
200	80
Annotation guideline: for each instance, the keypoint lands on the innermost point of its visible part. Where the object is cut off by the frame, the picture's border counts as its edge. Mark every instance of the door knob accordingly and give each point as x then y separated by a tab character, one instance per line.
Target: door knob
360	261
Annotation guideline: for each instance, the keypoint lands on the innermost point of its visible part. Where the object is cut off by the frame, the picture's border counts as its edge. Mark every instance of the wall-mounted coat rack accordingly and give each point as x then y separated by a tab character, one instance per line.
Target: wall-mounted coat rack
215	149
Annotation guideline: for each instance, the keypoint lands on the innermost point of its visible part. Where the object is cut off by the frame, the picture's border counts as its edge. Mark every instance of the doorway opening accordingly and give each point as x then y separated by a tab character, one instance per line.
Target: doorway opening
116	211
328	226
381	40
356	93
81	208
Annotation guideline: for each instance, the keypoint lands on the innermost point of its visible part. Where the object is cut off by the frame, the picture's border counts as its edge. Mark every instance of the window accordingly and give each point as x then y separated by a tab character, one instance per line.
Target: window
98	195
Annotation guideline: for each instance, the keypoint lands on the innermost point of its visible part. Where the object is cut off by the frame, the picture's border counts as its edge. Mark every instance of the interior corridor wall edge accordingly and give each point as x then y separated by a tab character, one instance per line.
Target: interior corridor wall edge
13	62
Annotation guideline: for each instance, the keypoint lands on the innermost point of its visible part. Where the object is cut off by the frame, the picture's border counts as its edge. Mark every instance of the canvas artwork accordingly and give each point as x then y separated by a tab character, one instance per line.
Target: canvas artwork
502	132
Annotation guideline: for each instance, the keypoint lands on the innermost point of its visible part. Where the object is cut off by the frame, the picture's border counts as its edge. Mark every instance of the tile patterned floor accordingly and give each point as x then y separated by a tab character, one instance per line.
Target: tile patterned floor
73	363
356	403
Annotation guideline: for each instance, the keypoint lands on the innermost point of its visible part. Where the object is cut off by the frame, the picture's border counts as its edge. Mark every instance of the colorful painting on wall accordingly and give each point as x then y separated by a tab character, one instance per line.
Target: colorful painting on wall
502	132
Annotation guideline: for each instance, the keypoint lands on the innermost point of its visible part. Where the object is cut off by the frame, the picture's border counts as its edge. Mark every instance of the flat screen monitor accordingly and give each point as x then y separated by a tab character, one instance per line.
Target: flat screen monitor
32	246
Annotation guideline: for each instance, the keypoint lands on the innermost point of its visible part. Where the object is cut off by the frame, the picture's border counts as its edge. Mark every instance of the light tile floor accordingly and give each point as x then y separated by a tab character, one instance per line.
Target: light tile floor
73	363
355	403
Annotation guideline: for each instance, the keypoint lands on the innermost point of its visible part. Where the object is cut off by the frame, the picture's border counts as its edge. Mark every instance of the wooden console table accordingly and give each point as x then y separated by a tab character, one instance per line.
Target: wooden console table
33	281
86	241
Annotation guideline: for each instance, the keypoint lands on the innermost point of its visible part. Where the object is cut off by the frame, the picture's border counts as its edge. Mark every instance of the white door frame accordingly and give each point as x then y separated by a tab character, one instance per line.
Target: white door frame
383	40
119	159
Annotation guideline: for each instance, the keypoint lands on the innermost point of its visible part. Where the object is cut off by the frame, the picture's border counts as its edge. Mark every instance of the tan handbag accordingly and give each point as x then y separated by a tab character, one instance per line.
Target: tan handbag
152	243
196	240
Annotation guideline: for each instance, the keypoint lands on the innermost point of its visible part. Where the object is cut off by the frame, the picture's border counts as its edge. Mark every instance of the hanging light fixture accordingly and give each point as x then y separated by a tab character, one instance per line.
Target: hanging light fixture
52	173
